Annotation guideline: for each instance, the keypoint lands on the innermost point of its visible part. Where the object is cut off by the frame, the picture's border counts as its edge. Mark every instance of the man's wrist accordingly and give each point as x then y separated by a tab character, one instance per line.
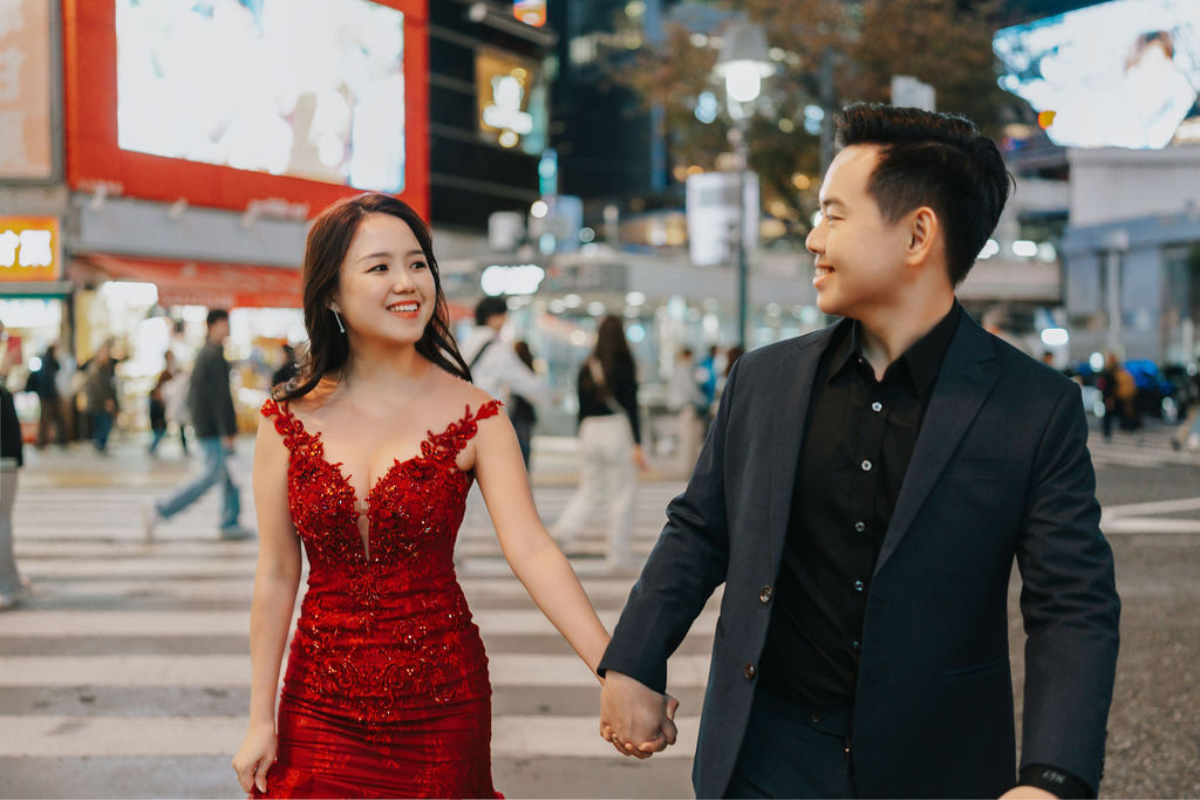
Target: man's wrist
1055	781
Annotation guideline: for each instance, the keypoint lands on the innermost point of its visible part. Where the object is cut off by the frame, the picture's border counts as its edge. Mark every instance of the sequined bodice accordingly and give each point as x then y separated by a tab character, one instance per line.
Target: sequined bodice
383	629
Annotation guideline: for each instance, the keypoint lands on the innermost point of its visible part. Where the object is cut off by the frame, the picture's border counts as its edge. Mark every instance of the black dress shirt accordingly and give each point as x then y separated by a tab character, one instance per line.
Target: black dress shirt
859	437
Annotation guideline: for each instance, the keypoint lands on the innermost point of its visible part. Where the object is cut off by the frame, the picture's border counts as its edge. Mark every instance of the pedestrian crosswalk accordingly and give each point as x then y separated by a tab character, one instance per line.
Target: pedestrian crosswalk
1147	447
127	671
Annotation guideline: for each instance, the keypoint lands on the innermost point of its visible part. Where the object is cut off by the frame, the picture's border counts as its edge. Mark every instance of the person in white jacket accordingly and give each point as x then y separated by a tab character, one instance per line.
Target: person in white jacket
495	366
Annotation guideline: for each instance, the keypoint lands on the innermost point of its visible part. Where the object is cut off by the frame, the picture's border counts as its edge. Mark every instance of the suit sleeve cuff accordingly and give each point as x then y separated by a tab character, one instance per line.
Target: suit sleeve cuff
1055	781
654	679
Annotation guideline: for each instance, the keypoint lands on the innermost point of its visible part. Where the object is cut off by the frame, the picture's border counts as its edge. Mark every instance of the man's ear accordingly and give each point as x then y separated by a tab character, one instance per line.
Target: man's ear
924	237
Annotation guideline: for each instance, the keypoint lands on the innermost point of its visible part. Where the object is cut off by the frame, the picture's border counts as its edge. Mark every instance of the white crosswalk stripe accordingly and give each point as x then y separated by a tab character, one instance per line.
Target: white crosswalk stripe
113	617
1148	447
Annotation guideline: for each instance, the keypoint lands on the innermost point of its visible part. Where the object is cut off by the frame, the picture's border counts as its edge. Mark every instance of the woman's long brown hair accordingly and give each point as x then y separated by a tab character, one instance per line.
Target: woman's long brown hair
328	240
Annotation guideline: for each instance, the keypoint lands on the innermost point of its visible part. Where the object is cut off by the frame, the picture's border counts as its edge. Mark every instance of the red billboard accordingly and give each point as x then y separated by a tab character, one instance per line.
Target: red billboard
277	104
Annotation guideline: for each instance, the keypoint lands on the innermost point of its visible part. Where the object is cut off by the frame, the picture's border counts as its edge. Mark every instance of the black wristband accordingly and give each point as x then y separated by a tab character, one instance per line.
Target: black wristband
1055	781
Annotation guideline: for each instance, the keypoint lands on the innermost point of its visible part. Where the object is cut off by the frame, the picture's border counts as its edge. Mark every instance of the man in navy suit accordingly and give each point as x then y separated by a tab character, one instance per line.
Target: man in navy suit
862	495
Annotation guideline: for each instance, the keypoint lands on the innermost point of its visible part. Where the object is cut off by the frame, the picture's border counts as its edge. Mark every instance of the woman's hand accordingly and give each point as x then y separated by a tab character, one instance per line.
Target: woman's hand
639	458
255	756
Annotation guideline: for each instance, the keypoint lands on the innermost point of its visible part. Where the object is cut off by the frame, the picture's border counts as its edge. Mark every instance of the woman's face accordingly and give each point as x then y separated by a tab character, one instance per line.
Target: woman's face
385	286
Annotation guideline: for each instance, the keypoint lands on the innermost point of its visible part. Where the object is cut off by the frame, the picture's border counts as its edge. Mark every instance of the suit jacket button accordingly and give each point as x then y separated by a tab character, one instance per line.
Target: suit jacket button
764	596
750	671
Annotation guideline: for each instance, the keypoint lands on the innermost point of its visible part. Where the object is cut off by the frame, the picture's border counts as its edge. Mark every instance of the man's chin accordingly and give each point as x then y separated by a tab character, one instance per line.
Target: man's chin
829	305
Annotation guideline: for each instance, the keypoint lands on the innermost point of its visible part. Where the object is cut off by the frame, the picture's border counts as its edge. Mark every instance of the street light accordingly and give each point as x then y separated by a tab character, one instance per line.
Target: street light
743	64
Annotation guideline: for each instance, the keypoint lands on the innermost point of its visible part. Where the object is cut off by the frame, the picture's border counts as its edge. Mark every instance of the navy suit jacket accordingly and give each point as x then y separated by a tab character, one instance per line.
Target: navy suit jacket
1000	471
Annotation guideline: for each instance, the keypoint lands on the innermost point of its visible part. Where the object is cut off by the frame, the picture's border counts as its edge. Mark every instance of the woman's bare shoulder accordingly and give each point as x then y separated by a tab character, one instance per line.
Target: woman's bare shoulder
316	399
457	393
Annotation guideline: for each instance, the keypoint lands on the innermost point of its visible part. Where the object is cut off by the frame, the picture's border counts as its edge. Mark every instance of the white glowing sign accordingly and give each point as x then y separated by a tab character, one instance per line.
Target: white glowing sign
1119	74
504	111
500	279
307	88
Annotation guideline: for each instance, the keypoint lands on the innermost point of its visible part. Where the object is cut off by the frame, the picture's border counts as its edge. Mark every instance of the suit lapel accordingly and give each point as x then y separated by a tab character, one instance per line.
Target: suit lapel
793	387
966	379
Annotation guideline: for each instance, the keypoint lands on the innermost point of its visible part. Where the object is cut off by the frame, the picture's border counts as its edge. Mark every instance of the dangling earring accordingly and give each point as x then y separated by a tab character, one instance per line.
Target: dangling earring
341	327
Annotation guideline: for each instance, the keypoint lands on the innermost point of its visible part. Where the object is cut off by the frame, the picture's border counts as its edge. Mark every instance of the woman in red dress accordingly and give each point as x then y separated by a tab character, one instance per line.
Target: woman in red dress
365	459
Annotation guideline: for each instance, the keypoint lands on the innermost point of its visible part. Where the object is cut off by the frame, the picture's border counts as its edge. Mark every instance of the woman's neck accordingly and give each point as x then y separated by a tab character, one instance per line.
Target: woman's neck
388	369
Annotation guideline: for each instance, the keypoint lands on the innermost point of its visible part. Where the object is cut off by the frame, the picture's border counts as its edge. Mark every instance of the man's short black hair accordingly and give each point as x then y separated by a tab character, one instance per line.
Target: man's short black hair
489	307
215	316
936	160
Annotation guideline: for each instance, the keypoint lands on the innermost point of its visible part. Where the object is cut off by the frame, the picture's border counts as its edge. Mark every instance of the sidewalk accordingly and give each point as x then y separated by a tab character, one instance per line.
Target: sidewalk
555	463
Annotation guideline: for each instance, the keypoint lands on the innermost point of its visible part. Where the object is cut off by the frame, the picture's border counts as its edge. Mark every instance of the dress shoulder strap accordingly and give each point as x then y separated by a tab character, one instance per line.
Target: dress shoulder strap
286	423
452	440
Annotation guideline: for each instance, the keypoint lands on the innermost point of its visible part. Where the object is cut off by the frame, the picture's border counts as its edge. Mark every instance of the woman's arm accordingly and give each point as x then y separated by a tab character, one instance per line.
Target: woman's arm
535	559
275	583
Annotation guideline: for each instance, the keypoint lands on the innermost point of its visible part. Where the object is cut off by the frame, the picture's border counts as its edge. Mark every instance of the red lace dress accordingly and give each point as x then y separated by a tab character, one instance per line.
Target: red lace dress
386	692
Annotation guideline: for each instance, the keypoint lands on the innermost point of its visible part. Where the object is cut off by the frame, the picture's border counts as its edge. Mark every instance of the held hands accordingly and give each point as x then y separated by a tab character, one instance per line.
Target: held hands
636	719
255	756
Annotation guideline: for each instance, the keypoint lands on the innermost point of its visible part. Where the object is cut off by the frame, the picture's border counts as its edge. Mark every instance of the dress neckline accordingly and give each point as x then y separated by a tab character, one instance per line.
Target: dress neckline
429	447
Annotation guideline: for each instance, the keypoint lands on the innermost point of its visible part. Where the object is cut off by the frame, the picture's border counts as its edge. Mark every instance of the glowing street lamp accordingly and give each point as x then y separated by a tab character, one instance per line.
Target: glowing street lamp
743	64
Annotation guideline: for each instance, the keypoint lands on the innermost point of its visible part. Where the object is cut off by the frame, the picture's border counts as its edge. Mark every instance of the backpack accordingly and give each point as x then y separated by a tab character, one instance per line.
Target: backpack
1126	388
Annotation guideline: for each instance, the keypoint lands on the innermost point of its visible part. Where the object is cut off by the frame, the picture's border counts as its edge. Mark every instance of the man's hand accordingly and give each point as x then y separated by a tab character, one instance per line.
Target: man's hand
229	443
636	719
1027	793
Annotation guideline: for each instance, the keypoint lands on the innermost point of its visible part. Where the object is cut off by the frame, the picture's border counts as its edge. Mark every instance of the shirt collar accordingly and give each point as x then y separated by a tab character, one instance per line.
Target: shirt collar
921	362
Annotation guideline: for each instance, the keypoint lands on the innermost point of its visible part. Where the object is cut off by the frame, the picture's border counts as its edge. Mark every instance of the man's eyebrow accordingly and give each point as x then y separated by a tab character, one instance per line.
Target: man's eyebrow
832	201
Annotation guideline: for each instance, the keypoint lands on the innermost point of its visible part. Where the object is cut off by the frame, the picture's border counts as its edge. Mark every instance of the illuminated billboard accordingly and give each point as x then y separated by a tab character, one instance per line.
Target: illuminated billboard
237	103
1124	73
511	101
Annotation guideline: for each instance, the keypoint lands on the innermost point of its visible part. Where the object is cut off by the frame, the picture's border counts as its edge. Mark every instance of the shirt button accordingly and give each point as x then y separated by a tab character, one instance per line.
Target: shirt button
866	465
764	596
750	671
856	645
877	406
858	586
815	718
860	526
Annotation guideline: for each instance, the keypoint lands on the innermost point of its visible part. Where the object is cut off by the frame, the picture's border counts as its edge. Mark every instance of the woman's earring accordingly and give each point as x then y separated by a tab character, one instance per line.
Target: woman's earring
341	327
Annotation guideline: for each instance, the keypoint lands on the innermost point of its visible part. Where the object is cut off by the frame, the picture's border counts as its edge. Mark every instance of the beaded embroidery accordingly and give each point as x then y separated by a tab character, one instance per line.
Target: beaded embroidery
392	632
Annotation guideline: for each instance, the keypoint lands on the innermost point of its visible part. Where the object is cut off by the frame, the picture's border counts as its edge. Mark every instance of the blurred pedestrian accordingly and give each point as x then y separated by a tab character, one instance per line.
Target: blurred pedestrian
521	411
610	439
685	400
158	403
1188	433
44	382
175	397
1119	392
287	370
12	458
101	389
494	366
708	376
210	402
731	357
